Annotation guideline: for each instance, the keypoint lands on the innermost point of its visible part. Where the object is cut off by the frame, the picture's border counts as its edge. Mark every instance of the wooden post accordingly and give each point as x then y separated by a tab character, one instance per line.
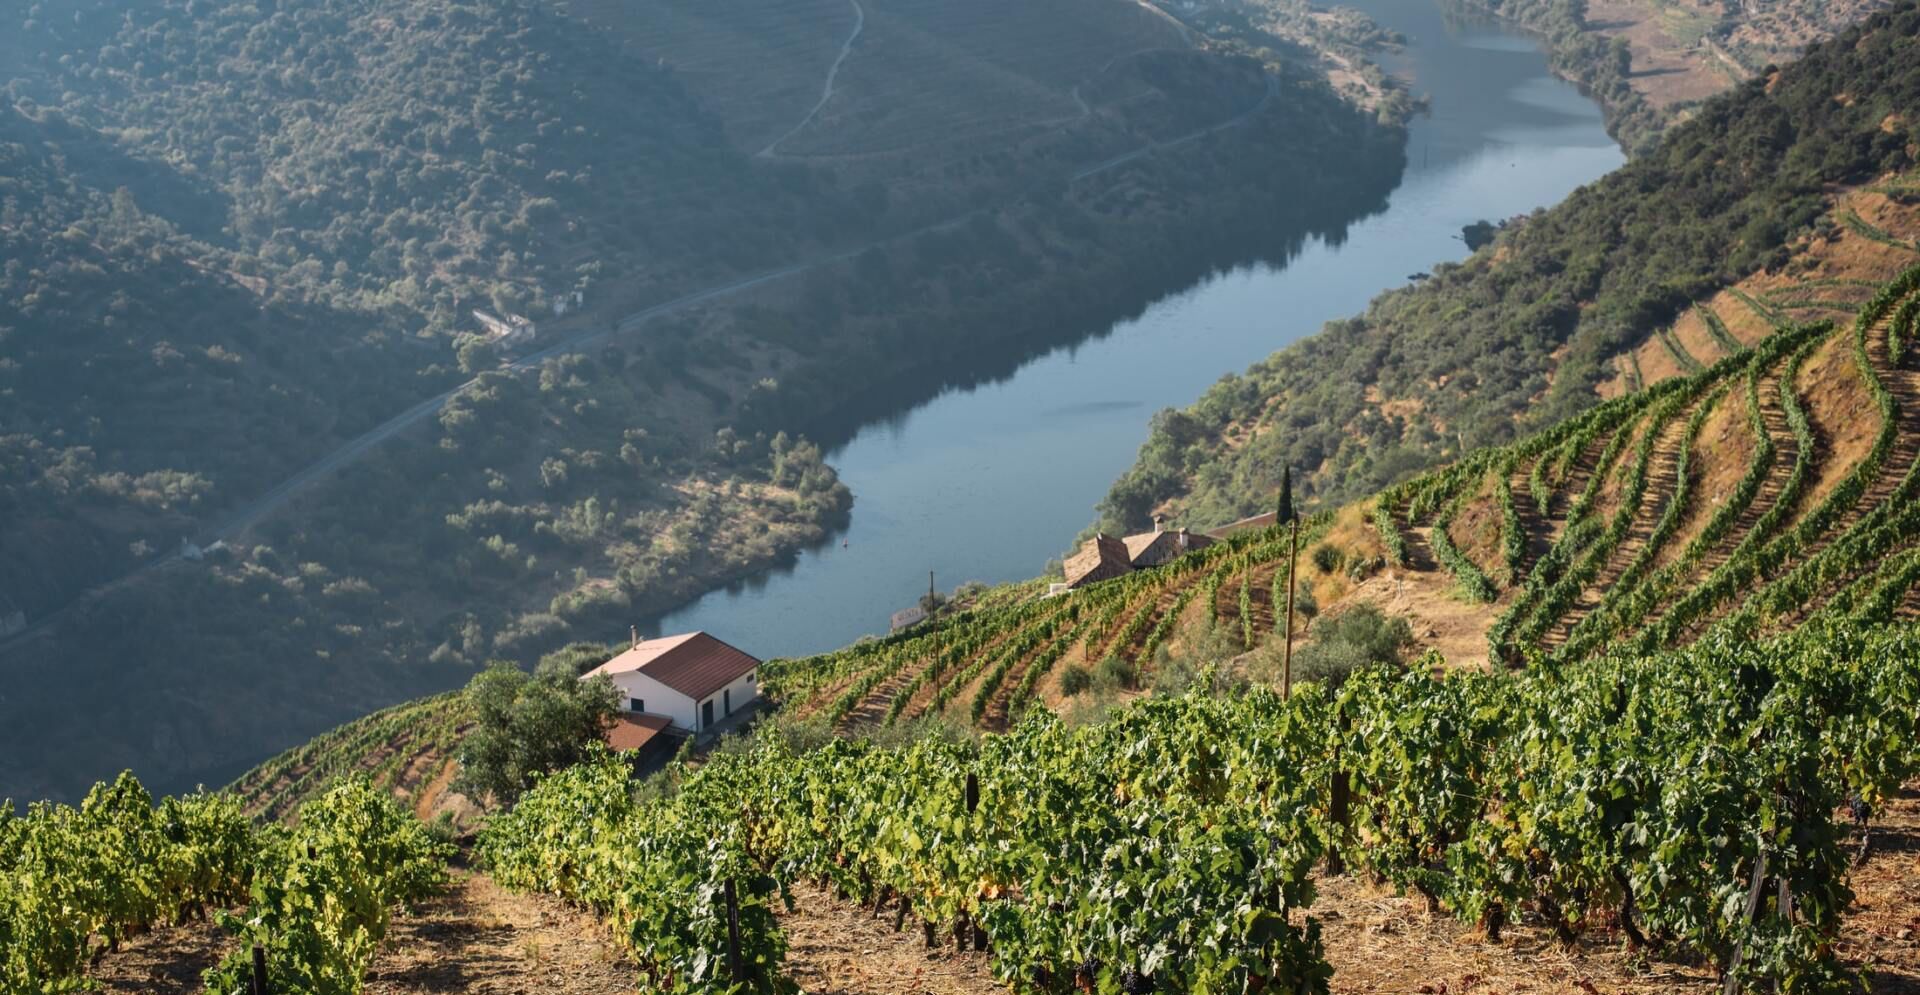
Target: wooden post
1732	986
968	929
1293	556
1337	813
735	963
259	981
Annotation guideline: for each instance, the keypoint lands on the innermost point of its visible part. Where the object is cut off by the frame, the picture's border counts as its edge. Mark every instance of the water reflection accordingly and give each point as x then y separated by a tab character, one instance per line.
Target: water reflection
997	472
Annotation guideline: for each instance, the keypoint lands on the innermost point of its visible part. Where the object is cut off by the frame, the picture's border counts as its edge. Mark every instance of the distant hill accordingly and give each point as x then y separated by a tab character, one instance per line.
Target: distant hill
1764	184
1652	63
243	236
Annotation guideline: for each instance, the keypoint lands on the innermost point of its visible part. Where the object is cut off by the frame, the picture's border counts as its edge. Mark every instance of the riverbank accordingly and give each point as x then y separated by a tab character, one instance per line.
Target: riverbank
990	479
559	503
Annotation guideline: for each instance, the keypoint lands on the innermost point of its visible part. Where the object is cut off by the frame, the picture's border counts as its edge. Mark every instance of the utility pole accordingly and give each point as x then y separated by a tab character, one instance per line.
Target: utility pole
1284	513
1293	556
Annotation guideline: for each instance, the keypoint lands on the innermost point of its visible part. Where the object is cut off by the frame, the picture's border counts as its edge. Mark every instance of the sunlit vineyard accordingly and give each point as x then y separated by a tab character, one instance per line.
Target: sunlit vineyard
989	665
1776	485
1615	541
306	906
1171	847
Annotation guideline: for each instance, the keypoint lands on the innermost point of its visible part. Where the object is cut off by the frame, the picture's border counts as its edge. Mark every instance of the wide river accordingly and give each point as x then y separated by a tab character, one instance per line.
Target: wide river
989	483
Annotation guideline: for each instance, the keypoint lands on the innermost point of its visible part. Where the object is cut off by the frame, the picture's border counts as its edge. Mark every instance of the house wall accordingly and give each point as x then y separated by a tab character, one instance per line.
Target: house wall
684	711
659	698
743	691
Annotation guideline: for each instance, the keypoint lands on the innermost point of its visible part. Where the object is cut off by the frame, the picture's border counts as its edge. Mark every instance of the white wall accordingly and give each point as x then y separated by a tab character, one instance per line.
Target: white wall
684	711
659	698
744	690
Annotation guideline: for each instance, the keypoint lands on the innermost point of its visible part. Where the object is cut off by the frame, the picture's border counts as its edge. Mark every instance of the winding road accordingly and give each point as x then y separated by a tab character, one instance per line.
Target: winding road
240	519
826	91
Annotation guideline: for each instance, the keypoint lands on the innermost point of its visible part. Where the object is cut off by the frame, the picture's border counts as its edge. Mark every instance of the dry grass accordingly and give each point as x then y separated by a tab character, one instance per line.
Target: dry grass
1841	412
1719	461
1817	263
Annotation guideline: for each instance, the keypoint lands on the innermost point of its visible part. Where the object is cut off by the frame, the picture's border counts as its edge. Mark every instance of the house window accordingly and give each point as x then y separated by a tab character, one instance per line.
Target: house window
638	705
749	678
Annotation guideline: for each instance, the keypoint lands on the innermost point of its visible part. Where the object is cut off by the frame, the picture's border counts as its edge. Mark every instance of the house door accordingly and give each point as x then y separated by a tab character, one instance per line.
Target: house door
726	701
706	713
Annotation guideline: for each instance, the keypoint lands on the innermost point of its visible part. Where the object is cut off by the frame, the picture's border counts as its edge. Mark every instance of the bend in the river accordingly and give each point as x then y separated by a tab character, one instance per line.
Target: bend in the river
989	482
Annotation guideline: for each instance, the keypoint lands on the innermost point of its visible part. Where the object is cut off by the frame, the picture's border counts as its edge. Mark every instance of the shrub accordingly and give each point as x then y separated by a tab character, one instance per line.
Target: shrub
1361	636
1113	673
1328	558
1075	679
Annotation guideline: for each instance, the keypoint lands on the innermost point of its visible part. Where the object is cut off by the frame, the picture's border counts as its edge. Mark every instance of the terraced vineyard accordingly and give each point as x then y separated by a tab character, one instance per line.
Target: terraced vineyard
1775	485
406	750
989	665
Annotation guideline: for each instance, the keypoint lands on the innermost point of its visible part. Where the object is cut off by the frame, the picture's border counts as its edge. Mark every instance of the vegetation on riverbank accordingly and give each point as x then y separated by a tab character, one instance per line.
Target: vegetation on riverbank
1523	333
232	250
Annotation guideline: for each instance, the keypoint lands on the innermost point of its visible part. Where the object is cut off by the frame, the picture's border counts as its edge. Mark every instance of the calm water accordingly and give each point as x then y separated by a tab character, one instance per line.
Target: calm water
987	484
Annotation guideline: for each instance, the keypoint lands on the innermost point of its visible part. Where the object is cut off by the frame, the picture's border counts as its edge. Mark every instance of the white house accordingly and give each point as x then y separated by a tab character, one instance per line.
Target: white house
510	330
693	680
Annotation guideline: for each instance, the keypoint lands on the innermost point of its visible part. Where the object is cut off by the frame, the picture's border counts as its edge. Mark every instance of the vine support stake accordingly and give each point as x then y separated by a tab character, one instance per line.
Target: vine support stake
735	962
258	983
1753	906
972	792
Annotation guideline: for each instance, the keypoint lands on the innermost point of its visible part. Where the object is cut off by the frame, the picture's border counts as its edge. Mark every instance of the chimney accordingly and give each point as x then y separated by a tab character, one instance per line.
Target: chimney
634	631
1159	524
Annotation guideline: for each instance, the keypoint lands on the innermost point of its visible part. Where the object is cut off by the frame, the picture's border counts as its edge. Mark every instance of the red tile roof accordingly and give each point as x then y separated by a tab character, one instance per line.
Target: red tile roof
694	664
631	732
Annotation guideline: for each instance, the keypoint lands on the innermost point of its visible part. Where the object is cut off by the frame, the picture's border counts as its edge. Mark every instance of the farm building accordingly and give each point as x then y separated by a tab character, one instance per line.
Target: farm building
1105	557
510	330
692	681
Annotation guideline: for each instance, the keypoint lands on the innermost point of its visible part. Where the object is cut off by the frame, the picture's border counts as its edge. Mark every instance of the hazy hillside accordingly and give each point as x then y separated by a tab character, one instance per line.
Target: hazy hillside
272	221
1651	63
1526	331
1771	490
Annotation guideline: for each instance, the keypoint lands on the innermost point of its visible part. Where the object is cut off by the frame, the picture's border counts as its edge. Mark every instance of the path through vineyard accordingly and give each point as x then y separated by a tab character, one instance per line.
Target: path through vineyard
482	939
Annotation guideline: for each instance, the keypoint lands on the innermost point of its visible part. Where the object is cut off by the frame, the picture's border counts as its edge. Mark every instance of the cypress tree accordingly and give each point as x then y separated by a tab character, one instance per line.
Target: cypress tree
1285	513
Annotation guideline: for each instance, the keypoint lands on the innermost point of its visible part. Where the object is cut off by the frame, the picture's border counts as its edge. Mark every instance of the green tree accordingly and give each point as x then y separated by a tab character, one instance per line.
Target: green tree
1285	513
525	724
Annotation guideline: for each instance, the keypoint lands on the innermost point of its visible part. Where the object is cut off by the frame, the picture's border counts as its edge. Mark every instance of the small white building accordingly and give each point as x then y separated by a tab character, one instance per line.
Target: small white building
510	330
693	680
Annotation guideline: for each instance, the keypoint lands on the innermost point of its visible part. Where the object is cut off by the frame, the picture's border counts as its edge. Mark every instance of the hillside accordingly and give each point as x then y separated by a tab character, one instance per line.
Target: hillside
1772	489
245	241
1651	63
1757	186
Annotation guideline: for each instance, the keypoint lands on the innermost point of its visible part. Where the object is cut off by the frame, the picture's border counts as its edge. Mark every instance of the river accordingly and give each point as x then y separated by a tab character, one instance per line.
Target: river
989	483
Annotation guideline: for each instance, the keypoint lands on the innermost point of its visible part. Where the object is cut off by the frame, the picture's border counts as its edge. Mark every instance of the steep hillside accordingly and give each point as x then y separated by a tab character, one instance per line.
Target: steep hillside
1651	63
1522	334
406	750
1774	488
245	241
